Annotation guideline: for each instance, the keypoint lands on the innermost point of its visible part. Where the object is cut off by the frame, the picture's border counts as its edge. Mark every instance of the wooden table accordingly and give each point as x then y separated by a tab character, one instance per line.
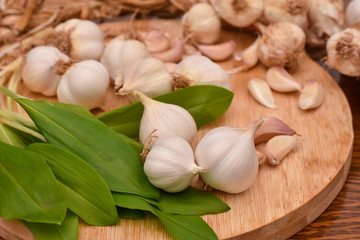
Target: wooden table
342	219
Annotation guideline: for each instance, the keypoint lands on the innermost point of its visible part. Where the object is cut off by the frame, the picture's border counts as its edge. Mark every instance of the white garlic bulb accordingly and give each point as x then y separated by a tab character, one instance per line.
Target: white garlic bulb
120	54
202	22
228	154
148	76
352	12
166	119
85	83
170	164
241	13
200	70
40	70
86	38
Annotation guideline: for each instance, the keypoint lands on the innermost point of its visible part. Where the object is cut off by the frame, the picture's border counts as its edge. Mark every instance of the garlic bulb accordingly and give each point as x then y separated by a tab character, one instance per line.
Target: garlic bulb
170	164
40	70
228	154
294	11
352	12
240	13
343	52
86	38
281	44
84	83
326	18
166	119
148	76
119	54
200	70
202	22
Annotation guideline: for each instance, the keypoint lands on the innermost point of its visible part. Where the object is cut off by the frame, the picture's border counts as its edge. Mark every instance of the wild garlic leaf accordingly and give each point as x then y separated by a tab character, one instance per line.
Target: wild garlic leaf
7	135
68	230
28	188
181	227
84	190
206	103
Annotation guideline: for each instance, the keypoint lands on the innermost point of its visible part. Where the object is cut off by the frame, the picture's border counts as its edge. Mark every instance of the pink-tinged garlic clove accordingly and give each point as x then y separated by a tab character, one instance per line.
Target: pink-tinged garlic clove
249	56
155	40
312	95
270	128
278	147
174	54
281	81
218	52
261	91
170	67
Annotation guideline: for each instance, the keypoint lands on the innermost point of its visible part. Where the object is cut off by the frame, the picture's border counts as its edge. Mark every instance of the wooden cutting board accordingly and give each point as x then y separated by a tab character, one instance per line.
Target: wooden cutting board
285	198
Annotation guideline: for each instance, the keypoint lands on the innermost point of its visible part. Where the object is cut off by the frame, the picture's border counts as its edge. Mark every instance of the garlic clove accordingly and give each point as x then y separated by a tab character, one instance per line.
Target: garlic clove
170	164
170	67
280	80
312	95
271	127
261	91
352	12
248	57
174	54
218	52
167	119
261	156
155	40
278	147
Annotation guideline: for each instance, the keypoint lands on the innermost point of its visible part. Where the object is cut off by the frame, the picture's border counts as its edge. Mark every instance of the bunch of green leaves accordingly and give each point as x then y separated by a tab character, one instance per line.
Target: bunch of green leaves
85	169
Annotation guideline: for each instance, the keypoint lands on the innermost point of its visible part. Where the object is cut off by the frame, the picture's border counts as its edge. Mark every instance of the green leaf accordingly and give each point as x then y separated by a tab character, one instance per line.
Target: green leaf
179	226
191	201
85	191
130	213
28	187
204	102
7	135
68	230
105	150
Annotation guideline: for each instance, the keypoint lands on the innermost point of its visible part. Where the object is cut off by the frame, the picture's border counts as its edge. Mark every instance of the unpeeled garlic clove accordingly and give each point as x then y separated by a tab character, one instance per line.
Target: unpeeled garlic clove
155	40
279	147
312	95
270	128
248	57
218	52
174	54
261	91
280	80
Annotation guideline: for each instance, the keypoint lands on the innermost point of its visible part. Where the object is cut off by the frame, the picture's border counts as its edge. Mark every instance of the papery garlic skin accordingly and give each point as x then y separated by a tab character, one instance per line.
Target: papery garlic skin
120	54
352	12
229	155
343	50
85	83
87	39
200	70
202	23
240	13
282	44
39	72
148	76
166	119
170	164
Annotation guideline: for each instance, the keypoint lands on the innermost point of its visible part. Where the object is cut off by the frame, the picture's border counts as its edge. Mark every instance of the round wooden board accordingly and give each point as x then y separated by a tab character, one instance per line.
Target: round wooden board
284	199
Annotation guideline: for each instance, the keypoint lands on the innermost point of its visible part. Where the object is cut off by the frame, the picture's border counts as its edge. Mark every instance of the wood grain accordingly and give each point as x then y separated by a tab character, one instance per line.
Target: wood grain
284	199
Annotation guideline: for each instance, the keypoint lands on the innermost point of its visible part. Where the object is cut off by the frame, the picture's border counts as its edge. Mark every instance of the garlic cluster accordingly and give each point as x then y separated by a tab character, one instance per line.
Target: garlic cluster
170	164
84	83
229	156
202	23
40	70
166	119
200	70
81	39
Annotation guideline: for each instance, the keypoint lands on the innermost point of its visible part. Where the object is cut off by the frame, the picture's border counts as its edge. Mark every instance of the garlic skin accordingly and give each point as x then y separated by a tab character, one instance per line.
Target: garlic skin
343	52
280	80
202	23
85	83
293	11
229	155
39	72
170	164
239	13
119	55
261	91
166	119
148	76
200	70
87	39
282	44
352	12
